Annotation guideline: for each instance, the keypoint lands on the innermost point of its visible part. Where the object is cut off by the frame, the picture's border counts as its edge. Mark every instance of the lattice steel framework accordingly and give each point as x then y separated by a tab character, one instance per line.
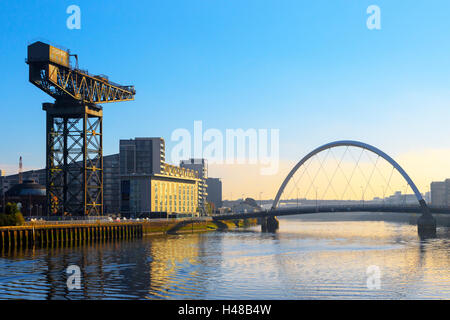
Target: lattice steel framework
63	82
74	129
74	160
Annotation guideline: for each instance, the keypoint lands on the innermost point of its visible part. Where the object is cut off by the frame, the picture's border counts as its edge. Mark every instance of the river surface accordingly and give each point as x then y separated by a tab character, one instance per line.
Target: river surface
310	257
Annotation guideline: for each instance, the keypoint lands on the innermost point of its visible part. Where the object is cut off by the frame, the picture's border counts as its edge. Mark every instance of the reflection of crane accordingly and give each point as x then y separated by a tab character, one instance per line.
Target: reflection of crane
74	128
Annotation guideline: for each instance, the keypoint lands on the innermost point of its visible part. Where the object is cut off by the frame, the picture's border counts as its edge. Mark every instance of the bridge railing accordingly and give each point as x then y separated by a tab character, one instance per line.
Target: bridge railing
284	210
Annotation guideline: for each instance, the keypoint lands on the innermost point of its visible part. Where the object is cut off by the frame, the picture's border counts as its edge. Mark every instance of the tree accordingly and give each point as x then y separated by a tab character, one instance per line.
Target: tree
11	208
12	215
209	208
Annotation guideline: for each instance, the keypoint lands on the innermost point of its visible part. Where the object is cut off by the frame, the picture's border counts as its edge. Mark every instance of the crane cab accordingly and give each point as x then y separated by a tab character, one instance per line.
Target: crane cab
45	53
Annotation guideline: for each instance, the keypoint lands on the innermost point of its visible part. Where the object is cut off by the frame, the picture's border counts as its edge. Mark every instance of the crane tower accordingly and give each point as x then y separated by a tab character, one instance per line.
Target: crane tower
74	135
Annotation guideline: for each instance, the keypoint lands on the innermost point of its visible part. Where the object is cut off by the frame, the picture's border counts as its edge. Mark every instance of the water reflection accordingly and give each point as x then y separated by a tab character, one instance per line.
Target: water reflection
306	259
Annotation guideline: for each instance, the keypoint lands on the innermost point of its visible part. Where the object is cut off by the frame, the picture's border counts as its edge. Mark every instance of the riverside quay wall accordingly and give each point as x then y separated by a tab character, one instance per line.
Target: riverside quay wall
62	234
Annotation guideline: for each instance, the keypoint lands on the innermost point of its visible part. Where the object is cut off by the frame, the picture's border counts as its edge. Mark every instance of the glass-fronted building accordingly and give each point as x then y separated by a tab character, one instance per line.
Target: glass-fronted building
200	166
149	186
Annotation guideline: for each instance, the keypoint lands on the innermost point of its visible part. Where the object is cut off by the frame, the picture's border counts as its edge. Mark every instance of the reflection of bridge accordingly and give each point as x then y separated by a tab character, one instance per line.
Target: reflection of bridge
426	223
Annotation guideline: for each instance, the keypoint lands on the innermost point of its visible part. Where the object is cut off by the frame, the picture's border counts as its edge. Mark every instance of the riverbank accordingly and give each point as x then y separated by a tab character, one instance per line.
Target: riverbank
53	233
187	225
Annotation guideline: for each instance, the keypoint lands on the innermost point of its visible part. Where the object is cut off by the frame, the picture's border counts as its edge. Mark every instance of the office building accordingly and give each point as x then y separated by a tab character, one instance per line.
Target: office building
111	184
440	193
200	166
142	156
149	185
214	191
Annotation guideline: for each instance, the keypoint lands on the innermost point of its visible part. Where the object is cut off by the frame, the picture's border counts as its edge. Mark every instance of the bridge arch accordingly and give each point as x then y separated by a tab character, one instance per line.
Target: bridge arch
358	144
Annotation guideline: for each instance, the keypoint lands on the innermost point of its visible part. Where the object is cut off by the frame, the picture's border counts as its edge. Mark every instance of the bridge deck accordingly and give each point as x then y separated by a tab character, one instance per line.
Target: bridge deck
313	209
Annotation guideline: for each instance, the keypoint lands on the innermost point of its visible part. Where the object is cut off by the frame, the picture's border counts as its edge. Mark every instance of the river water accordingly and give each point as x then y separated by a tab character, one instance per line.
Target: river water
310	257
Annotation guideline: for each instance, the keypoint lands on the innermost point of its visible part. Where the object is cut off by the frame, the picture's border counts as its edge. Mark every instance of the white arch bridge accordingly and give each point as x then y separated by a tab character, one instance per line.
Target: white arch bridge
426	223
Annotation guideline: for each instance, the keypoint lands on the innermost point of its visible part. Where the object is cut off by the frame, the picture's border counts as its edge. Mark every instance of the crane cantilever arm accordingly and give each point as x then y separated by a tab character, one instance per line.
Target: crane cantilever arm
65	82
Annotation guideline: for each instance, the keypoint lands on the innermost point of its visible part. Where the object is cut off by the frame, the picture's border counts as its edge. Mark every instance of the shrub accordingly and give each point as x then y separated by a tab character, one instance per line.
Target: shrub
18	217
11	208
12	216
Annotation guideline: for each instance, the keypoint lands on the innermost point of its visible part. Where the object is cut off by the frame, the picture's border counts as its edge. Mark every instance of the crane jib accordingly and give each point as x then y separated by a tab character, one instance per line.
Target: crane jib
50	71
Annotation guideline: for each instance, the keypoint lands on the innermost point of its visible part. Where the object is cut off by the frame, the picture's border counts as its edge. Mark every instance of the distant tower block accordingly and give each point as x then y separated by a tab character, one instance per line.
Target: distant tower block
74	129
20	170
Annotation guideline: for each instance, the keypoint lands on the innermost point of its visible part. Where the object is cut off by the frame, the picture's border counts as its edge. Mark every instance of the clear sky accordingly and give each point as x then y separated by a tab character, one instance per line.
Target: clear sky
311	69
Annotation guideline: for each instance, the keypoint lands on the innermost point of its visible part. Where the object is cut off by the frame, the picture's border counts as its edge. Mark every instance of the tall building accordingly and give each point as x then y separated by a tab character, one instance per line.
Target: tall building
149	186
142	155
111	184
201	167
440	192
214	191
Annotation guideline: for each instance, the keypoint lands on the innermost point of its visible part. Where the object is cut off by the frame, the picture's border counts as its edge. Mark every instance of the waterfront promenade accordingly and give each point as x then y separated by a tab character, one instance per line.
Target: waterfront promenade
49	233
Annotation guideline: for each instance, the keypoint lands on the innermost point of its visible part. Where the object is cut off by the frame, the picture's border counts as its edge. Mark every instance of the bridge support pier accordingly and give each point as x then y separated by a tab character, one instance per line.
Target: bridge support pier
426	224
269	224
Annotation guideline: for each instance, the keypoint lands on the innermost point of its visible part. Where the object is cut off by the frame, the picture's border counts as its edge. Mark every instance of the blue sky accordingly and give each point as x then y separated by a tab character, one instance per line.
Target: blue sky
309	68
